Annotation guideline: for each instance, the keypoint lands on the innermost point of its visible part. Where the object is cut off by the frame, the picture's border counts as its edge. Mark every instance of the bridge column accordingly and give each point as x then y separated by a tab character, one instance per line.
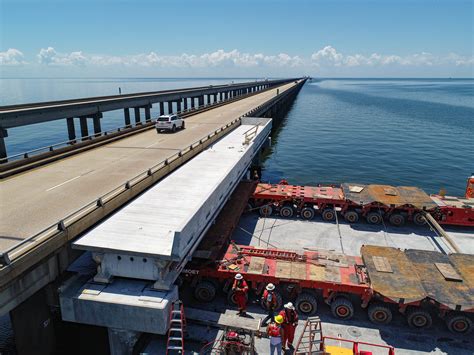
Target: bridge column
126	113
148	113
83	124
178	106
3	147
185	102
201	100
170	107
71	131
96	121
137	115
215	98
193	103
162	108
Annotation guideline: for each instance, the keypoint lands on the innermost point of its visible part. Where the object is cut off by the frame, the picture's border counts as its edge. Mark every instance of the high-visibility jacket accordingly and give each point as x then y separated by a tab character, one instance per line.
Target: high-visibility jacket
240	286
289	316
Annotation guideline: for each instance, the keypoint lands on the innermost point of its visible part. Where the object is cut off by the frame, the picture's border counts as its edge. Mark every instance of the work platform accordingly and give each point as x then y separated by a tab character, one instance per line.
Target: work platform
152	238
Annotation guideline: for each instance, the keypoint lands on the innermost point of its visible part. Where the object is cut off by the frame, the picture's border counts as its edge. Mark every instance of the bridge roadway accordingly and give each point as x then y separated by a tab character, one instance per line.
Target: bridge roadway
36	199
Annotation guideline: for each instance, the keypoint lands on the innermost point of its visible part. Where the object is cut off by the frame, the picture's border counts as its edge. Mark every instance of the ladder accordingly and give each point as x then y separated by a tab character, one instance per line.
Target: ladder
311	340
177	325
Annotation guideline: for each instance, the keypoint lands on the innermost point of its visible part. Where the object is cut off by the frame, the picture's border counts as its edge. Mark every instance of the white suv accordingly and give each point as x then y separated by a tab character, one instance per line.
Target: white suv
169	123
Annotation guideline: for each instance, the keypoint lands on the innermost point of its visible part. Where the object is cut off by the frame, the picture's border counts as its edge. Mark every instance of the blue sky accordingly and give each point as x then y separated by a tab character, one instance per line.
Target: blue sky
236	38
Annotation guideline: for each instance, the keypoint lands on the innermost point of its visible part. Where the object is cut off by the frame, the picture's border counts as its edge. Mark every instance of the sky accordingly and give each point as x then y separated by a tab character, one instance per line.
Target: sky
246	38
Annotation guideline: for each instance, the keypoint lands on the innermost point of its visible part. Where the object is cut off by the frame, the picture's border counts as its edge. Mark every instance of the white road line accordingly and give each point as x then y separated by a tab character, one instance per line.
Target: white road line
63	183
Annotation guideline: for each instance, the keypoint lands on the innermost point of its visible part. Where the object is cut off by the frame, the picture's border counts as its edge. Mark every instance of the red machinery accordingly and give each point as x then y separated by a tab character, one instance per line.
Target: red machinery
373	202
416	283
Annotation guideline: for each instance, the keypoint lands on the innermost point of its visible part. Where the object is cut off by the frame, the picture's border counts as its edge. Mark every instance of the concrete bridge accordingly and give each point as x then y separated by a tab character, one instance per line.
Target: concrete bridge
52	203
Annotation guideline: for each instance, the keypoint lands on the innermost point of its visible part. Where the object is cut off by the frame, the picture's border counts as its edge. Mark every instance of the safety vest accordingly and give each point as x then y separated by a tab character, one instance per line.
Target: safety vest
290	316
270	298
274	330
240	284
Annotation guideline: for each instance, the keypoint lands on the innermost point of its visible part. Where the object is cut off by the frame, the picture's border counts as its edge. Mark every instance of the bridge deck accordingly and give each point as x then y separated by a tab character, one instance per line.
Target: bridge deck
38	198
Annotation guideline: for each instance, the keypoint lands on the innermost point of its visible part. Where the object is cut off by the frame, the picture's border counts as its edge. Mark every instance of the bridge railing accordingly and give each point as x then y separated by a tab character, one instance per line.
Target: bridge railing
19	249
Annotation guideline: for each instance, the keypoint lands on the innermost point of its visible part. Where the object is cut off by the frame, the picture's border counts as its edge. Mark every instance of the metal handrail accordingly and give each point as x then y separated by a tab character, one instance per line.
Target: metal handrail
99	202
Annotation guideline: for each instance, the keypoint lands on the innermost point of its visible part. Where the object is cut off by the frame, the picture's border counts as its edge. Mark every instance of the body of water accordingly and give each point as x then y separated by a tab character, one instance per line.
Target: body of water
398	132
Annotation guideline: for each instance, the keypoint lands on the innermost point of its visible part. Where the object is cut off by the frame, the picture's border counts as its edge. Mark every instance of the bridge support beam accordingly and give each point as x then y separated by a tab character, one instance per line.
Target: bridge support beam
96	121
3	147
162	108
137	115
201	100
185	102
178	104
193	102
170	107
148	113
126	114
71	131
83	124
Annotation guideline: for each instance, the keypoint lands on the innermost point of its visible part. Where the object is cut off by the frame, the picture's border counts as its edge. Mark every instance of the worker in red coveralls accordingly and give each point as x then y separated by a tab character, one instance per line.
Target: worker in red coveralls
270	302
240	290
290	322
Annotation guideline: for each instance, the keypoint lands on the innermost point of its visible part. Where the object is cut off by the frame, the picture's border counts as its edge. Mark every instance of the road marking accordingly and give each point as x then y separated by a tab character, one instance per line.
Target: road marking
65	182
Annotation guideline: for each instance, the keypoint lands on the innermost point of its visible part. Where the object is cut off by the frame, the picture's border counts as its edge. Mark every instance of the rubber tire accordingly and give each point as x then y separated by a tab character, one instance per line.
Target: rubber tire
308	302
158	131
342	303
286	212
173	129
454	319
265	210
231	300
397	220
182	125
415	315
307	213
279	301
374	218
351	217
377	310
205	291
419	219
328	215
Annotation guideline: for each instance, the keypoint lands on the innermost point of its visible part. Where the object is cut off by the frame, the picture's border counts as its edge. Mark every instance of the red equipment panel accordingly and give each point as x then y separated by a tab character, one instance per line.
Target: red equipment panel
289	192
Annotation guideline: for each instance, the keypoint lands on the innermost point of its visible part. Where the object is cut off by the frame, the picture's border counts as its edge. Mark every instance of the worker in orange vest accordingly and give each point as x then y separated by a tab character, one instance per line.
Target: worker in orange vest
290	322
240	290
270	302
276	334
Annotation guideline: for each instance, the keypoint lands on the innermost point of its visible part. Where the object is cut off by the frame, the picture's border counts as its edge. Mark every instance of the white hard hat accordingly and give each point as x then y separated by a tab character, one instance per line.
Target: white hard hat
270	287
239	277
289	305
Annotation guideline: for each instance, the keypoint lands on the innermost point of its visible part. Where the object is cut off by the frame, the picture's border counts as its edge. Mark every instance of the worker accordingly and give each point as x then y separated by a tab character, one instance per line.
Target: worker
276	334
290	322
240	290
270	302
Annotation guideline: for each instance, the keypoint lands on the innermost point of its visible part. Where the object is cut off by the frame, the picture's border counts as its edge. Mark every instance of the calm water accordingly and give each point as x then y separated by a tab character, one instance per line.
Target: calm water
401	132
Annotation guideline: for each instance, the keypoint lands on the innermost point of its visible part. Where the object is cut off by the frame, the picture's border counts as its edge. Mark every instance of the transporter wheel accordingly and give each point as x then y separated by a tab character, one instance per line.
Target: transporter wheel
231	298
306	303
419	318
419	219
265	211
279	300
397	220
173	129
307	213
286	211
379	314
342	308
351	217
374	218
157	131
459	324
329	215
205	291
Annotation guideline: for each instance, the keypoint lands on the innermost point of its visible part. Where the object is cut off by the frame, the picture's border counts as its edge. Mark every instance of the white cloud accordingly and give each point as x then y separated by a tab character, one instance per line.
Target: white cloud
12	56
49	56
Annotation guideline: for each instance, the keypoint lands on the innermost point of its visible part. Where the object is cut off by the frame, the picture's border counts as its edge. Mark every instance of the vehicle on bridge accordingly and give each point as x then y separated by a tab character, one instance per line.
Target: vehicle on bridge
169	123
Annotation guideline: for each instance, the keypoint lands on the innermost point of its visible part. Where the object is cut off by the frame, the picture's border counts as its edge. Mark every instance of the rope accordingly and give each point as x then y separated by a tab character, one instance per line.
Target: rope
339	231
250	233
385	233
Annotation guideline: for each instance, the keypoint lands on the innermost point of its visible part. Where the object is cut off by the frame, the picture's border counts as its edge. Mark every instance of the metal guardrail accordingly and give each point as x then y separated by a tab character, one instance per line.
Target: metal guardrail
15	251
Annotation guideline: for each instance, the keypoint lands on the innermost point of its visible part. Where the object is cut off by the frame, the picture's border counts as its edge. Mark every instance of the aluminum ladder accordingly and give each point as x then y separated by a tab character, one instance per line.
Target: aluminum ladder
311	340
177	325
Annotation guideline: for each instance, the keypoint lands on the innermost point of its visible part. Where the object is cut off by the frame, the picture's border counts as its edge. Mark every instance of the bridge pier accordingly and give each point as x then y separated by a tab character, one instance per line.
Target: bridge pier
178	104
126	114
137	115
3	147
185	102
201	100
162	108
71	131
96	122
170	107
193	102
